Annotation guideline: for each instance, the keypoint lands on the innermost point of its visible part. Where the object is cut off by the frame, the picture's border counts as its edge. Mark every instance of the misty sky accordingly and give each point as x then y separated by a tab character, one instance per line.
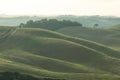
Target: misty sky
60	7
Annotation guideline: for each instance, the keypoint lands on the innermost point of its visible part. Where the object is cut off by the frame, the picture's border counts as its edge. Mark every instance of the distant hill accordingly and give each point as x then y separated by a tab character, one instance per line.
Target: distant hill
88	21
115	27
44	53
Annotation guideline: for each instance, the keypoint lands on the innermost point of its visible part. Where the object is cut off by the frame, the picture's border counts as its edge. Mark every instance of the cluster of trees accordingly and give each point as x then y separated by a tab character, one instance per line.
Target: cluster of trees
51	24
19	76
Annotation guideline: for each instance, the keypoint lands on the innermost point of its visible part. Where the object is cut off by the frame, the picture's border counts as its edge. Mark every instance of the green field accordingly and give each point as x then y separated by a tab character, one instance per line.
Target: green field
109	36
44	53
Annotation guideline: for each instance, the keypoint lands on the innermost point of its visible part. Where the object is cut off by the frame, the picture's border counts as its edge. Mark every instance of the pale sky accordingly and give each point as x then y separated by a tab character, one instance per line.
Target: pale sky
60	7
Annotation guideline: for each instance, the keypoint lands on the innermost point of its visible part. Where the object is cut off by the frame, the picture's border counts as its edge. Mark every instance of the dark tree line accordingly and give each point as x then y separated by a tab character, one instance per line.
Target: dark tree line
19	76
51	24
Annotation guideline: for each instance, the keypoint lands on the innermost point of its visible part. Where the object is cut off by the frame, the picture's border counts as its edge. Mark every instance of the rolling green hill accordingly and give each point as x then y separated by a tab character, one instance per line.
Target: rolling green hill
109	36
44	53
116	27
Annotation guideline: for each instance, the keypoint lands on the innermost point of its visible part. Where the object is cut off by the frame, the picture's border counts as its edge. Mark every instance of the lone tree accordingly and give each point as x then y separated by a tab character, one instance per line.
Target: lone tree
96	25
21	25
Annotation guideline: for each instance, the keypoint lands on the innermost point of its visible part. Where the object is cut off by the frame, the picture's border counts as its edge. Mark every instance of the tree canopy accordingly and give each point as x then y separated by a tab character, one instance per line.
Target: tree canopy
51	24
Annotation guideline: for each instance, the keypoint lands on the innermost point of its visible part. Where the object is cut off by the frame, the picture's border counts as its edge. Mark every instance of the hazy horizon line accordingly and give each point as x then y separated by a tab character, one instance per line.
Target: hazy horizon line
50	15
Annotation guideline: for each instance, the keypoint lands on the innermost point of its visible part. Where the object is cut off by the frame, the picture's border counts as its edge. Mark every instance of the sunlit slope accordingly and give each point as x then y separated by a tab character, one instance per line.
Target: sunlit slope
47	36
46	53
109	37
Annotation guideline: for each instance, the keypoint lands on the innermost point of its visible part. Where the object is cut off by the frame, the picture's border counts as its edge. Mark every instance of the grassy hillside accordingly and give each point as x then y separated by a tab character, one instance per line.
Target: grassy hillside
44	53
109	37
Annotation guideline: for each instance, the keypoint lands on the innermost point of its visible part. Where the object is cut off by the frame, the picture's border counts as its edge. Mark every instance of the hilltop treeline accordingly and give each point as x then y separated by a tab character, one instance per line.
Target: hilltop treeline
19	76
51	24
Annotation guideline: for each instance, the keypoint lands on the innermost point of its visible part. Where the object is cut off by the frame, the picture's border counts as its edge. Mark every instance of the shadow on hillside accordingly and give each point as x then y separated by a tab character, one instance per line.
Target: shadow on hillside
19	76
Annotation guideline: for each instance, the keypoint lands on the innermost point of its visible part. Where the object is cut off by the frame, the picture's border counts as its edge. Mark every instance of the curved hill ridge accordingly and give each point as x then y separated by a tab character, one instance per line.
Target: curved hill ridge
46	53
108	36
